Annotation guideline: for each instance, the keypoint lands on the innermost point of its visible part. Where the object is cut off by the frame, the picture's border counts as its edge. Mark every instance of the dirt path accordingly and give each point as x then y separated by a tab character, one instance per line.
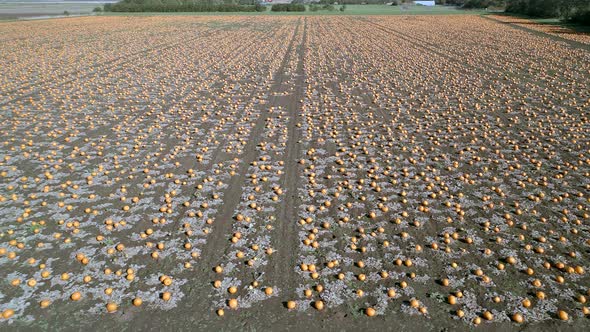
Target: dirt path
286	258
232	195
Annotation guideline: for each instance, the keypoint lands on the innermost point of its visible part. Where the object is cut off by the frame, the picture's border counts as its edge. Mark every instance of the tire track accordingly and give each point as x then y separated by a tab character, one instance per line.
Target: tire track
224	218
287	255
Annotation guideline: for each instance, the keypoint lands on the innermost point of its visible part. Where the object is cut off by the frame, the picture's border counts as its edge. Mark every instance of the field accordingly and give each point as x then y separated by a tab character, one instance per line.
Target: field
10	10
293	172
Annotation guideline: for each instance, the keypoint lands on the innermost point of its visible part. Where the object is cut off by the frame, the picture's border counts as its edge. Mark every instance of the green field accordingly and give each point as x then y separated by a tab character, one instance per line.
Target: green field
14	10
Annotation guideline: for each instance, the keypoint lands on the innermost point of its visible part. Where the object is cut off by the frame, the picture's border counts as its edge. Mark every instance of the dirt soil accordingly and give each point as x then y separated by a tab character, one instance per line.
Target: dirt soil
374	173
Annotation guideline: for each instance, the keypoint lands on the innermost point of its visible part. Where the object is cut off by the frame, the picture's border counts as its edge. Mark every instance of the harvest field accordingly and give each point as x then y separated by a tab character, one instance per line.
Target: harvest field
292	172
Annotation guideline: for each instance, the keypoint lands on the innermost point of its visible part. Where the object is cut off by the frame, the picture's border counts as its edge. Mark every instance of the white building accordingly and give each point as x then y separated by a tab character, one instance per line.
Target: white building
272	2
424	2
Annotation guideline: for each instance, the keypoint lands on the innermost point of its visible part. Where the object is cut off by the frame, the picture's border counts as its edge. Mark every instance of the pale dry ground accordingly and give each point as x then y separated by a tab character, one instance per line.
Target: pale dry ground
186	172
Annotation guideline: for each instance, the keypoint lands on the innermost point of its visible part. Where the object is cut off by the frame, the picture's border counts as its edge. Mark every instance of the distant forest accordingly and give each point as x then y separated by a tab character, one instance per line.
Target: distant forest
185	6
576	11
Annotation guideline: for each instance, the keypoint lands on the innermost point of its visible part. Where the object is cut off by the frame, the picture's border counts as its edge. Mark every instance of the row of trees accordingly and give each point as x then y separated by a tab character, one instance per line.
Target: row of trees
181	6
354	2
298	6
569	10
347	2
288	7
472	4
329	7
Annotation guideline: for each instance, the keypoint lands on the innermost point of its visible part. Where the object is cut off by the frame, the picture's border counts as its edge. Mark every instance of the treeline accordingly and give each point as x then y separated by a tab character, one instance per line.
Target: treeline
329	7
473	4
136	6
353	2
570	10
478	4
287	7
577	11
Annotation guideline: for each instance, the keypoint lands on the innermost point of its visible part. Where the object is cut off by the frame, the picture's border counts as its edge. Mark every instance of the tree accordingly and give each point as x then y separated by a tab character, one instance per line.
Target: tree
569	10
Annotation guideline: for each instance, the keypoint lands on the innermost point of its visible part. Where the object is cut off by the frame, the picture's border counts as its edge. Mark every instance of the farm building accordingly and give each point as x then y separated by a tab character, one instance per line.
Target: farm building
272	2
425	3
